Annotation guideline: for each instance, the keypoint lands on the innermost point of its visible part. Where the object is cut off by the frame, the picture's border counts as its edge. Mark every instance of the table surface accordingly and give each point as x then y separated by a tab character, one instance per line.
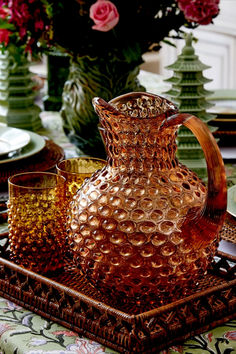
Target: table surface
23	332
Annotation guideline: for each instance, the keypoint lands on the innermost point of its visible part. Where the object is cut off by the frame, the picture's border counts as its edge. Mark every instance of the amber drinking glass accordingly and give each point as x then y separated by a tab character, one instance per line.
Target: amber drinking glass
36	220
76	170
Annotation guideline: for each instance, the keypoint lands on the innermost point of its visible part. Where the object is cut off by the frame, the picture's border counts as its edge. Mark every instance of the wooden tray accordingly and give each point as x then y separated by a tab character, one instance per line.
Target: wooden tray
228	232
68	299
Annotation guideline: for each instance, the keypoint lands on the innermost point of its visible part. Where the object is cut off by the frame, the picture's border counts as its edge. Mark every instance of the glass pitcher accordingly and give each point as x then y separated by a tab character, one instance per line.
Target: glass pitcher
145	226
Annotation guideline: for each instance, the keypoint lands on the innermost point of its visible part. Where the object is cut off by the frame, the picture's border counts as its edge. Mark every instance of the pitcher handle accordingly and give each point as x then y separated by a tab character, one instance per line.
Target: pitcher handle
216	202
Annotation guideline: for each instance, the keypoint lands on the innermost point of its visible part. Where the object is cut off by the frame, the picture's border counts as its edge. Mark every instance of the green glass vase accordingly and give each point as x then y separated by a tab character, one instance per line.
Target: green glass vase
57	74
89	78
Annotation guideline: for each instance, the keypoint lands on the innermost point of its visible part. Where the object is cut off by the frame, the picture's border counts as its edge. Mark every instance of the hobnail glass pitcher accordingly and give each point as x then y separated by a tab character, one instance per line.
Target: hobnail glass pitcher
144	225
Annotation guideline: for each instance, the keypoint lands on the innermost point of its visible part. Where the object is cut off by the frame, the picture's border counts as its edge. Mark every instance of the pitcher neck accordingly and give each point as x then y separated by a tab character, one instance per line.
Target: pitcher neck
140	151
132	128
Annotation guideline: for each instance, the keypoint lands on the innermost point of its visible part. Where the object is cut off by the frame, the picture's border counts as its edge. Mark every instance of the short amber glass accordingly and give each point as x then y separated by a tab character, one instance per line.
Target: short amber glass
76	170
36	220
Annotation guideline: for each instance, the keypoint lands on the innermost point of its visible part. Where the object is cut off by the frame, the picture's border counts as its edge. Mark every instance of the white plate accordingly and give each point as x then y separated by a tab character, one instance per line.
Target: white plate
224	101
35	145
12	139
231	200
227	107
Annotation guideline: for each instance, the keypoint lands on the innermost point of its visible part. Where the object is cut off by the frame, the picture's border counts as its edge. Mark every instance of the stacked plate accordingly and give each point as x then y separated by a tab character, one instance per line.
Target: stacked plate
225	110
17	144
25	151
231	200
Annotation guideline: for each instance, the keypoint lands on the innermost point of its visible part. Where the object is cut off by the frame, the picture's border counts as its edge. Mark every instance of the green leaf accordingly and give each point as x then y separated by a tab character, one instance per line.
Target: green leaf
132	53
168	42
6	25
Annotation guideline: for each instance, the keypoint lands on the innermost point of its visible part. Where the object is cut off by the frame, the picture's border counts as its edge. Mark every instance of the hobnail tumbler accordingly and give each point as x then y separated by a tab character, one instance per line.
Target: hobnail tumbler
76	170
36	220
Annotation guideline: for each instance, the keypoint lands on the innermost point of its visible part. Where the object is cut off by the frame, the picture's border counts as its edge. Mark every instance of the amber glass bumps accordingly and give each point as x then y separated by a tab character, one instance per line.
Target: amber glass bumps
76	170
37	221
127	231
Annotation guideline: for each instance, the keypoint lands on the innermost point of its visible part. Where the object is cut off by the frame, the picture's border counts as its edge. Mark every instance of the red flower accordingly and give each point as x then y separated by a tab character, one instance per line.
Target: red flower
4	327
209	336
65	333
178	348
29	19
4	36
199	11
3	12
231	335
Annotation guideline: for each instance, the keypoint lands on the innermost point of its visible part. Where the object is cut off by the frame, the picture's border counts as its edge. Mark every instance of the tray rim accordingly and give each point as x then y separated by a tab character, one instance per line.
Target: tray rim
117	346
101	304
10	293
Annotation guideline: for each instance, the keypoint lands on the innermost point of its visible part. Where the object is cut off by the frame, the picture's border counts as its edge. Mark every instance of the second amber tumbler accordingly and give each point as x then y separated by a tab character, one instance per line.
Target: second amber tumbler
76	170
36	219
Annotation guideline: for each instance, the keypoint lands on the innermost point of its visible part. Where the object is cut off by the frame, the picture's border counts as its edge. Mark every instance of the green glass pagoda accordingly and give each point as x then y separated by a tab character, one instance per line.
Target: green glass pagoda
189	94
17	94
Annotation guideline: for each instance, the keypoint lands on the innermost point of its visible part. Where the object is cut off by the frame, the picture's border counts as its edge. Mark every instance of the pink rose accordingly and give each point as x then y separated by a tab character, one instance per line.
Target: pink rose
104	14
199	11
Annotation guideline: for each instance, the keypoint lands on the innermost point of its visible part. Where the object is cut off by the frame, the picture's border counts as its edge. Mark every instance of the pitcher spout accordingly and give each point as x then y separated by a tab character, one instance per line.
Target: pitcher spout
130	128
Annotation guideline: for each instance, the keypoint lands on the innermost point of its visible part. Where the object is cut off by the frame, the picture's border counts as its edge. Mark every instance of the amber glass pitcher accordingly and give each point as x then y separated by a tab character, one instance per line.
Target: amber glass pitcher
145	225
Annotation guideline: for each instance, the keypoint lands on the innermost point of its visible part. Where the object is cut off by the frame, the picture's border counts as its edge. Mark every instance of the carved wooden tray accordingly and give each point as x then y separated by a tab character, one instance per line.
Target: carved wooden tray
228	232
70	300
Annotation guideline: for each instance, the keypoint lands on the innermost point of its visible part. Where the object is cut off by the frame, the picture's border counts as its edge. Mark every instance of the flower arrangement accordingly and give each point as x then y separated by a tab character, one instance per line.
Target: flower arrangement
124	29
22	25
105	39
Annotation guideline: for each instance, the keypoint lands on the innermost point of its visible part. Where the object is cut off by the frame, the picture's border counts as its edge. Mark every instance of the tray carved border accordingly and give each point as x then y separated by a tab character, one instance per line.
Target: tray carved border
145	332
